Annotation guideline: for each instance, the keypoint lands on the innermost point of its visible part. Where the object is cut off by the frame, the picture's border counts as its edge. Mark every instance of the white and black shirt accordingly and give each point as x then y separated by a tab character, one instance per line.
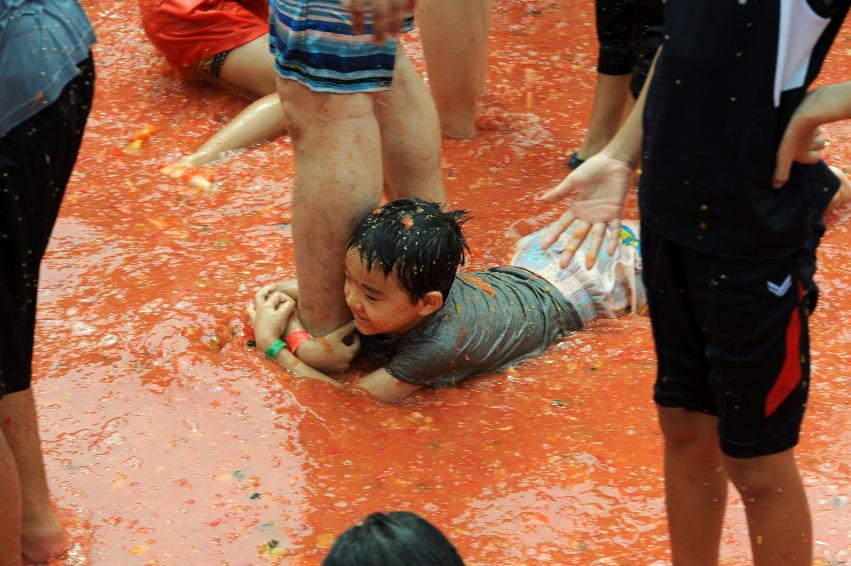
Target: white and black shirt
730	76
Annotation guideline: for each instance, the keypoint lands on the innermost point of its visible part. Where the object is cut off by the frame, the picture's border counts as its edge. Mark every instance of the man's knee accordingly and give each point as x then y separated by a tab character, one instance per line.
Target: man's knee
683	429
303	106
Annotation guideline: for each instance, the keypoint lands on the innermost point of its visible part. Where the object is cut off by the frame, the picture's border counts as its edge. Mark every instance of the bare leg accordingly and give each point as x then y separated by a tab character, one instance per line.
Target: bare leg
41	534
261	120
776	506
248	70
695	486
410	136
10	508
455	42
487	13
610	99
337	183
251	68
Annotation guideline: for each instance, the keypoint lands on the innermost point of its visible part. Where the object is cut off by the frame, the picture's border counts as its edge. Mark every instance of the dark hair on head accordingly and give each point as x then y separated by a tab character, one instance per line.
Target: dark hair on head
393	539
422	243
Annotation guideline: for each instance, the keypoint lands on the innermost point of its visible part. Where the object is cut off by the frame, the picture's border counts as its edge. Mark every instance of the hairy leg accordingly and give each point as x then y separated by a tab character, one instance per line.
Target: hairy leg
410	136
611	97
776	506
455	42
10	507
695	486
337	183
41	534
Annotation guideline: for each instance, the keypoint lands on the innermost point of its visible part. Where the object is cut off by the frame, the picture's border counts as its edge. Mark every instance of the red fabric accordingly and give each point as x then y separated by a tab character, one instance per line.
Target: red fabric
790	373
189	31
296	339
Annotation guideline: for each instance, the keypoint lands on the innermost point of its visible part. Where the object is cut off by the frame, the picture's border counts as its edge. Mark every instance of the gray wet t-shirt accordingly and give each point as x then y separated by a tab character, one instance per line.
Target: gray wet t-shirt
490	320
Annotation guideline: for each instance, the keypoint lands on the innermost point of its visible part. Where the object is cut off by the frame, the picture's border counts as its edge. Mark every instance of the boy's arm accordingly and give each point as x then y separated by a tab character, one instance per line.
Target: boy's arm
823	105
384	387
270	320
333	352
288	361
601	184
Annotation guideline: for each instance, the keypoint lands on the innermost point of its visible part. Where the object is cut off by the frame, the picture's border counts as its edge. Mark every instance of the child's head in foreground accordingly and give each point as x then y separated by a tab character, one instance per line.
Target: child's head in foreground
392	539
400	264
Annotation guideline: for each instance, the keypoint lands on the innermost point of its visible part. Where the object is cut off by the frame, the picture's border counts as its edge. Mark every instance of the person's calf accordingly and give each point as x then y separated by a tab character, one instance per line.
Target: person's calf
779	521
695	486
10	508
40	533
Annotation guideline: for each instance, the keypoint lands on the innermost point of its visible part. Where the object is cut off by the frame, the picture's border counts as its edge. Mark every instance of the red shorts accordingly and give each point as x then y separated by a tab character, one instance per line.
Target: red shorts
190	31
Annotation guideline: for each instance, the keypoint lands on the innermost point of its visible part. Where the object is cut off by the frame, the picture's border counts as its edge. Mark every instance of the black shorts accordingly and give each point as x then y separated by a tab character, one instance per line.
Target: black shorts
36	159
629	32
732	341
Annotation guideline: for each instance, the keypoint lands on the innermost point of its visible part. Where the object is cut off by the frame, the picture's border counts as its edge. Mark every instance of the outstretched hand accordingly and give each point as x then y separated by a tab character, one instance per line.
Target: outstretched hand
386	16
600	185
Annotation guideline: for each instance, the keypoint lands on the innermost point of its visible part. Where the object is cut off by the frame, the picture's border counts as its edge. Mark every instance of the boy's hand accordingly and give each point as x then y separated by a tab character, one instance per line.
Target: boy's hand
386	15
332	352
600	185
802	141
270	319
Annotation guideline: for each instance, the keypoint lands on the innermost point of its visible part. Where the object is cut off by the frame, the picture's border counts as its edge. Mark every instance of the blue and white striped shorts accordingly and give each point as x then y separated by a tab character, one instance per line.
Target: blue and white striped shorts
313	43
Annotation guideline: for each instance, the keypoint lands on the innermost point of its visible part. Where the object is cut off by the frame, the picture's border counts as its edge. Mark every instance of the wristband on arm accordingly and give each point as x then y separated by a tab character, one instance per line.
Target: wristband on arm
275	349
296	339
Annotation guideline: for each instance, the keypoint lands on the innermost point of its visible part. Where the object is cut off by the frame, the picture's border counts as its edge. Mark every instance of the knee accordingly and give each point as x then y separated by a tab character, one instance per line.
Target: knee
684	429
761	476
303	106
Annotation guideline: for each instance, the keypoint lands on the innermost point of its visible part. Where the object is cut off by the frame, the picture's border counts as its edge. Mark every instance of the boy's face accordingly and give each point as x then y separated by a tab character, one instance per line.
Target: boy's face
379	304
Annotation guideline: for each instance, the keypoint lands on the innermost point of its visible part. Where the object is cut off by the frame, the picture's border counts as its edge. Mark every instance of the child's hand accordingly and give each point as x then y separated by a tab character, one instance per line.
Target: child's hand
332	352
270	319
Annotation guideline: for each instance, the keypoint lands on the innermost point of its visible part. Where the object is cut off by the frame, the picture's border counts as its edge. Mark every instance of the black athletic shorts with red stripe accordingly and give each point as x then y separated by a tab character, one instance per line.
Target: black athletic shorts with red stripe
731	340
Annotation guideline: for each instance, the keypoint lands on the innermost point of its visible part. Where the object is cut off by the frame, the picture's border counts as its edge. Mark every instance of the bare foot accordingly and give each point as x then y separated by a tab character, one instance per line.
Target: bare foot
195	177
843	195
38	545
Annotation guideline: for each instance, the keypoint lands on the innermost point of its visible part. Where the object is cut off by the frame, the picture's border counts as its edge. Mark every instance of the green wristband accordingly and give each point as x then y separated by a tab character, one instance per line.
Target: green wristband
275	349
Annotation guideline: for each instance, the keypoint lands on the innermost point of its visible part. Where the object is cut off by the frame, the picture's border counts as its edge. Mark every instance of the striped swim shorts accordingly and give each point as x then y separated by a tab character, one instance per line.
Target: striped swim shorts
314	44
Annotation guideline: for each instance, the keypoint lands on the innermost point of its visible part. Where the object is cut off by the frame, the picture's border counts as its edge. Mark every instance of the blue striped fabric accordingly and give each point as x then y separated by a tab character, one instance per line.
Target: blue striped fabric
314	44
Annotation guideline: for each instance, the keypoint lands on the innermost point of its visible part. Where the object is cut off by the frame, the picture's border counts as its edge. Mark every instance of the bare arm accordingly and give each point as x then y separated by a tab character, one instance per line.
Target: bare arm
270	319
333	352
384	387
288	361
601	185
829	103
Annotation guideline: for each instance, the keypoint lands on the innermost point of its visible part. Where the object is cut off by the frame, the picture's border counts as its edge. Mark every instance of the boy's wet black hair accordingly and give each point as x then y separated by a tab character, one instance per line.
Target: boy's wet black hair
422	243
393	539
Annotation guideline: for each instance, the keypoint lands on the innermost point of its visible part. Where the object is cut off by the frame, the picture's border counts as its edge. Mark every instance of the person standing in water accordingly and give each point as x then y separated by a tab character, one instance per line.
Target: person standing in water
45	98
360	119
731	208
